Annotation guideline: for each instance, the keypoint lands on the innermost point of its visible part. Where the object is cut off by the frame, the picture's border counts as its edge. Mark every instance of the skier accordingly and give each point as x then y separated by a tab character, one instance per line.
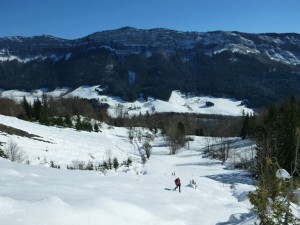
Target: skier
178	184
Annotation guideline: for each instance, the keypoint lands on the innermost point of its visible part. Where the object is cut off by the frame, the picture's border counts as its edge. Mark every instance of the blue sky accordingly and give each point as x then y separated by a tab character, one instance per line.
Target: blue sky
72	19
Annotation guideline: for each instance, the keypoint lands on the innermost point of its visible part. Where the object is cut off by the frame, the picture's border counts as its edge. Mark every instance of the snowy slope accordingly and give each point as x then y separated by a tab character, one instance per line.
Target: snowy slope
178	102
35	194
64	145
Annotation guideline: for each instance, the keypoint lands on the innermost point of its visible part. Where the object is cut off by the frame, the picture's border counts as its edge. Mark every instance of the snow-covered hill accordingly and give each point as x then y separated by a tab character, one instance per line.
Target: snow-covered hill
178	102
35	194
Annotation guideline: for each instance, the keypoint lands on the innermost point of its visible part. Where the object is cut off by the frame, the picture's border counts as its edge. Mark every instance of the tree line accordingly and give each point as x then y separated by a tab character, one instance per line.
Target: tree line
67	112
277	136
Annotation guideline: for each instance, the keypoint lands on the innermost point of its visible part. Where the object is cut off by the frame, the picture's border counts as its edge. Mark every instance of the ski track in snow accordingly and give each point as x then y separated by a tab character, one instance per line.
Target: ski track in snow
35	194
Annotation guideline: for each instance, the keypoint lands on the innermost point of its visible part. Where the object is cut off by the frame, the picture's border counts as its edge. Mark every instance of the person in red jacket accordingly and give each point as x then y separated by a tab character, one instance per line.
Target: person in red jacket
178	184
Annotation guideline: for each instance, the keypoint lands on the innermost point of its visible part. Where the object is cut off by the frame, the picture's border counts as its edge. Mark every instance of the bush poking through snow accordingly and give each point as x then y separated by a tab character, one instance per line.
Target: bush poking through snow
53	165
77	165
128	162
89	166
81	165
96	128
2	154
147	148
144	159
115	163
106	165
109	163
14	153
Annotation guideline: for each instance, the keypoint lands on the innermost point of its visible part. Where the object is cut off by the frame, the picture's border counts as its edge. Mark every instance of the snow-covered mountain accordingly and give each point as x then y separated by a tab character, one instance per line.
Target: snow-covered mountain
262	68
283	48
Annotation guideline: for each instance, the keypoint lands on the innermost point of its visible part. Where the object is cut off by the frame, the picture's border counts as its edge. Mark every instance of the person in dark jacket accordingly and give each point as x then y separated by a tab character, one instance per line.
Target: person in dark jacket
178	184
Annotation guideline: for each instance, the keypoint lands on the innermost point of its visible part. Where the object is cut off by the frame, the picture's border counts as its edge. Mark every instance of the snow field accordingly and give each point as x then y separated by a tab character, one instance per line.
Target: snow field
177	102
35	194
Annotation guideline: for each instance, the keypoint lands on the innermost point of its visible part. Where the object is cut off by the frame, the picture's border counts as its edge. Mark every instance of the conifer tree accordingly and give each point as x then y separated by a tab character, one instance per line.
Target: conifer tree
110	164
129	162
37	108
105	165
245	126
78	124
68	121
277	148
44	114
96	127
115	163
86	125
27	109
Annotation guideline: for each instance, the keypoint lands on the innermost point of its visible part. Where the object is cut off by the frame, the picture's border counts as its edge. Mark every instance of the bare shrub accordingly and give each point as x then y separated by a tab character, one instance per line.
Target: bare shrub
77	165
147	147
14	153
9	107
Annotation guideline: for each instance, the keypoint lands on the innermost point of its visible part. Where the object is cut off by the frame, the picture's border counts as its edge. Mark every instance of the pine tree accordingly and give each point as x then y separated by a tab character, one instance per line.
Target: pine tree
37	108
245	127
115	163
96	127
27	109
86	125
110	164
78	124
59	121
68	121
105	165
129	162
276	133
277	144
44	113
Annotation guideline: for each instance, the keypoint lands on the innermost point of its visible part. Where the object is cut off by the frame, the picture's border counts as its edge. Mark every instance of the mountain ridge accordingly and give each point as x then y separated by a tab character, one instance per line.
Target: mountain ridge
148	37
154	62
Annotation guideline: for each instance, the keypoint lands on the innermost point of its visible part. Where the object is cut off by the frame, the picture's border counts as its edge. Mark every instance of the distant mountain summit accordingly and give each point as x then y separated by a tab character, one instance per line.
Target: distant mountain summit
262	68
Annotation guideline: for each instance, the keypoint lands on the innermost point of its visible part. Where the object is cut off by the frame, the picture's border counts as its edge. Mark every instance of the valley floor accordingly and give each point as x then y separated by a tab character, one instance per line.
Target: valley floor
38	195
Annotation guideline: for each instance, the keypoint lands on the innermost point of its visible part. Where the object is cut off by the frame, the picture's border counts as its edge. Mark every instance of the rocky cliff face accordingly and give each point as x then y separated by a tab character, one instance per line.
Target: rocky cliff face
221	63
284	48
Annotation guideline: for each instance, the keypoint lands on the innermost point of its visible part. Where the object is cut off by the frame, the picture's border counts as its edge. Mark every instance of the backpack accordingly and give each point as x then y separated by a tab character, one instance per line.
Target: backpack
177	181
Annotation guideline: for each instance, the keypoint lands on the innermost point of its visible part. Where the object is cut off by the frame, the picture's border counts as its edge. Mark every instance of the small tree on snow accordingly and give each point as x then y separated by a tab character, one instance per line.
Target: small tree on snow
14	153
147	148
131	133
105	165
129	162
110	164
2	153
96	127
115	163
144	159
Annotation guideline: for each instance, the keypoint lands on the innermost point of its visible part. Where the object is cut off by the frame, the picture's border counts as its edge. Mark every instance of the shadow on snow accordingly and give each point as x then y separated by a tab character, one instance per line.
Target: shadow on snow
233	178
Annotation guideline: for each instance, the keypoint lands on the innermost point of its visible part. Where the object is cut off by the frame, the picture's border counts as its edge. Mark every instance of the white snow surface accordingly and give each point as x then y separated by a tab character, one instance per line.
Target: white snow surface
141	194
177	102
6	56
